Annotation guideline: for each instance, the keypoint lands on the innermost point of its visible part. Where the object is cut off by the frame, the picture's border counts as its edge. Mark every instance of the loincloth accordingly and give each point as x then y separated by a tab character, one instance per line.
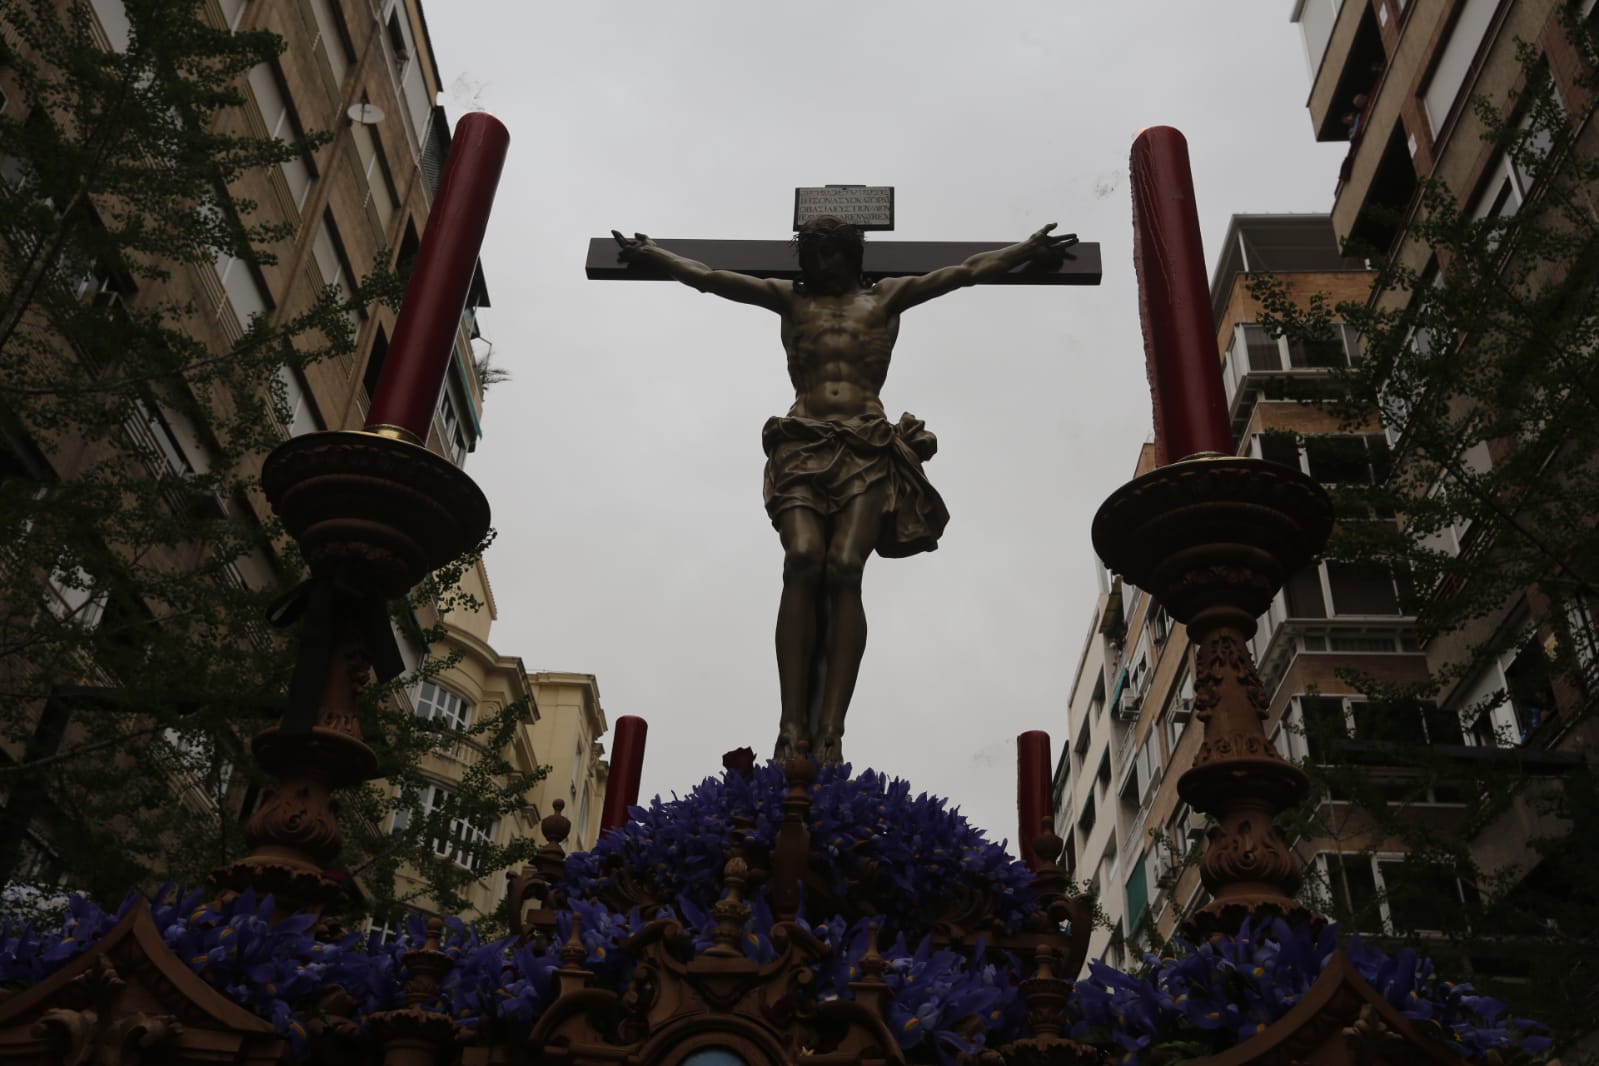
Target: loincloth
822	466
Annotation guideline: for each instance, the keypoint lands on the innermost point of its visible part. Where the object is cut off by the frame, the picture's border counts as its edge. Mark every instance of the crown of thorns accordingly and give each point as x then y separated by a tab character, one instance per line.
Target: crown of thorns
827	228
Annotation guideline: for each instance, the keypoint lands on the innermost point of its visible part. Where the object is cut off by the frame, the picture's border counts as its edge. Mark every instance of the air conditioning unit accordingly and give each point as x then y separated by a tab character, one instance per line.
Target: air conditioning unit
1127	709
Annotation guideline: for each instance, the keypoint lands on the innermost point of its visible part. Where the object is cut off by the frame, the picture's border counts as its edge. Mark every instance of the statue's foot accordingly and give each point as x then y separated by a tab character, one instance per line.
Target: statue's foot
791	741
830	748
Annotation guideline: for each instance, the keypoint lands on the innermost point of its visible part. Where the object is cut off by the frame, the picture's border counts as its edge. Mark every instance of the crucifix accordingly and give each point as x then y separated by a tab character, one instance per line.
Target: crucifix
841	480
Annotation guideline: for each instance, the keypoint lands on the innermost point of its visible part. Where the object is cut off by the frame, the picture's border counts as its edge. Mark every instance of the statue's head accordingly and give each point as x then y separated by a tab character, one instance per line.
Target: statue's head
830	253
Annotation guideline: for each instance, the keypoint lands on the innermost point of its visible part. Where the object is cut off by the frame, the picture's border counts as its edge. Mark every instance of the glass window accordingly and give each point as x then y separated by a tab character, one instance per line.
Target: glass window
1303	594
462	839
434	701
1265	351
113	15
1361	588
1352	884
328	251
282	124
297	405
334	38
1454	60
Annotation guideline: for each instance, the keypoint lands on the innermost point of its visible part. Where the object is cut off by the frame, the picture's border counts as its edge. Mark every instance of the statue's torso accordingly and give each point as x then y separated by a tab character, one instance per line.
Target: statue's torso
838	352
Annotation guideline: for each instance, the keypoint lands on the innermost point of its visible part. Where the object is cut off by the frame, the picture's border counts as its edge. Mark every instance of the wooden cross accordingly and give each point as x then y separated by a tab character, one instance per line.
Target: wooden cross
884	259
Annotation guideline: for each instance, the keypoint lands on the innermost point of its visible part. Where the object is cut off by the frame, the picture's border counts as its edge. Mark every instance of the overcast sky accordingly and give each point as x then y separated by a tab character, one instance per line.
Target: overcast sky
623	458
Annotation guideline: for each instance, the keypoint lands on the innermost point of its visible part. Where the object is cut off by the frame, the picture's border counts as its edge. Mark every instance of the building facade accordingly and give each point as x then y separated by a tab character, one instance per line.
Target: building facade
1488	105
1132	698
559	722
348	202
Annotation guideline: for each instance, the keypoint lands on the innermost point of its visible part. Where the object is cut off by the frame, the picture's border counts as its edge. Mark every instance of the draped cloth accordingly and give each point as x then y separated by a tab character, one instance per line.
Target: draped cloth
821	466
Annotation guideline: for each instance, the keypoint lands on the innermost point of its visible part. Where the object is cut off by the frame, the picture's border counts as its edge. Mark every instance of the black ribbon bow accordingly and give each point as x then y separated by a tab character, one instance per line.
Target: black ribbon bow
324	602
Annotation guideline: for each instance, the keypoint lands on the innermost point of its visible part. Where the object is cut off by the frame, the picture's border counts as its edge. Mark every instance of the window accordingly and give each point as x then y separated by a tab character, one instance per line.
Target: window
74	597
1085	821
113	16
1316	19
233	12
410	245
460	839
297	413
1361	588
1357	589
1180	709
156	440
328	250
1347	458
413	91
380	183
1137	894
334	37
582	818
374	364
397	924
240	279
1512	698
1317	725
434	702
453	431
397	39
282	124
1393	894
1160	624
1454	61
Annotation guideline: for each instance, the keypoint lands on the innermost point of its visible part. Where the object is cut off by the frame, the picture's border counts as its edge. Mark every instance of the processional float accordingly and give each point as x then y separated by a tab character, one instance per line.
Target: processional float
1209	535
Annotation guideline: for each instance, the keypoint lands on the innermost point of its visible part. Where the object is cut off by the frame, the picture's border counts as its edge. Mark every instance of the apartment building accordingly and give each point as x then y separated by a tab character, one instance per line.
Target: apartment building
560	726
570	725
1132	698
1414	86
358	200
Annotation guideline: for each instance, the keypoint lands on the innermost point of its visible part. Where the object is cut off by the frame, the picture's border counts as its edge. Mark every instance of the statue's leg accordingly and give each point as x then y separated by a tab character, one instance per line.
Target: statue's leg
804	546
854	534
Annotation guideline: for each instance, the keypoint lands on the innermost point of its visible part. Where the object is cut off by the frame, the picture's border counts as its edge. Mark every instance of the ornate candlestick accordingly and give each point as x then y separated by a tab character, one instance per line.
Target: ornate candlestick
373	516
1213	538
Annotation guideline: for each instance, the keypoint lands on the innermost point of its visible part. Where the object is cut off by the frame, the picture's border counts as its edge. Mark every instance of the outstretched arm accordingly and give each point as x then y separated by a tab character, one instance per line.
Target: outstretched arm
900	293
728	284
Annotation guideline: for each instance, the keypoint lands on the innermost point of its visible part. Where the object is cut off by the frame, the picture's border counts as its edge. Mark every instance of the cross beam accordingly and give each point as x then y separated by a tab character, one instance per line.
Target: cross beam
884	259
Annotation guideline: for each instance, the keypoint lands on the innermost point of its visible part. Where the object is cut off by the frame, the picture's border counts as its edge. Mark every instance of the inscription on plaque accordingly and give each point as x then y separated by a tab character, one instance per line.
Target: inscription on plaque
871	207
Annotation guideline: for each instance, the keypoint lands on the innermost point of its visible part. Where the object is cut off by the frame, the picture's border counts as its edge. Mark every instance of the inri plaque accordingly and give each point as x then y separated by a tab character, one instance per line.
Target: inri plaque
871	207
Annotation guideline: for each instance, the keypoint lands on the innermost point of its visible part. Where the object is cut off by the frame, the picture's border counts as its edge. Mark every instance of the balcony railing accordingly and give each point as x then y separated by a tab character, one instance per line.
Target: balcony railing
1255	364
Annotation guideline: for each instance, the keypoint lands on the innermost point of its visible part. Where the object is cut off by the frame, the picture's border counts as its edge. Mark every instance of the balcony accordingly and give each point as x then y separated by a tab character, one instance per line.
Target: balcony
1348	61
1257	366
1331	607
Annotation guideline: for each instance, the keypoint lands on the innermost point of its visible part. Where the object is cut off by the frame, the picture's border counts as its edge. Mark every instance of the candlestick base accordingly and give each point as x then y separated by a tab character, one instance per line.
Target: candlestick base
1213	536
1213	539
376	511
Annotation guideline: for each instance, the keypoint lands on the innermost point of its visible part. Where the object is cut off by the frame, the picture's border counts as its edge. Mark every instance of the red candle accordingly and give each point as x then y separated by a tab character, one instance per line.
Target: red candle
1034	792
1174	302
627	763
424	335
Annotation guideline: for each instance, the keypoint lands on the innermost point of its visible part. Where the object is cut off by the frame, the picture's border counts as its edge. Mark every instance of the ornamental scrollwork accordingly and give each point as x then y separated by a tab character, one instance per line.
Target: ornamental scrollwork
1250	849
1222	660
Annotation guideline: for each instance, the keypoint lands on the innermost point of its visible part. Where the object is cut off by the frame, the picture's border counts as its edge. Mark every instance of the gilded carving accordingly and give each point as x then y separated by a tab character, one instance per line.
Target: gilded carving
1249	849
302	815
1221	662
1235	746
